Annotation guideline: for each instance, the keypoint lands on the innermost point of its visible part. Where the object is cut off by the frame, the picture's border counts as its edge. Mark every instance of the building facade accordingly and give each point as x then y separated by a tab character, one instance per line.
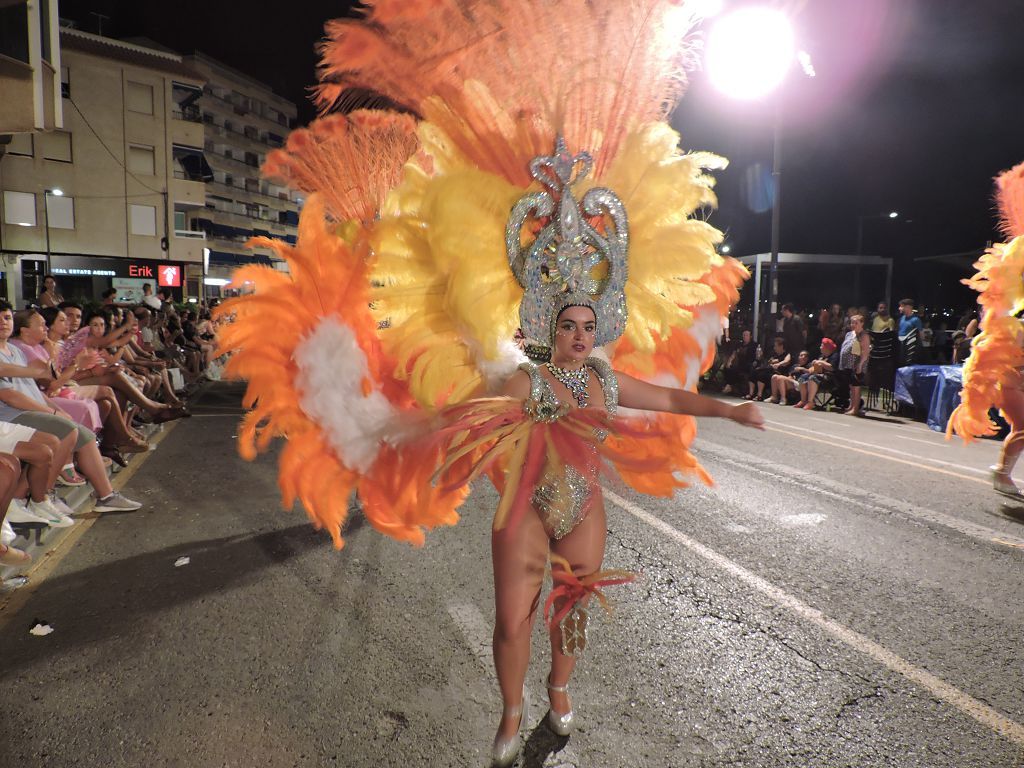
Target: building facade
152	177
93	203
243	119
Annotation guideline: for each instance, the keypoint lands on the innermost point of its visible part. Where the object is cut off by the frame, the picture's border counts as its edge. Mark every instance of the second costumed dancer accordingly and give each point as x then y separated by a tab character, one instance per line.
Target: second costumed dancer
528	182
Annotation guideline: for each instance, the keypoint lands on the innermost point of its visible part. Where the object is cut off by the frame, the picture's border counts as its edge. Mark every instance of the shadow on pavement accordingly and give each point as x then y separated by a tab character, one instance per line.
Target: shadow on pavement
540	745
105	600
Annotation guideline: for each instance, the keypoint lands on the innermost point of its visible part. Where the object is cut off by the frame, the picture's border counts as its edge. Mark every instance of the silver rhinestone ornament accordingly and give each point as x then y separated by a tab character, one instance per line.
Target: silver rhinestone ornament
558	268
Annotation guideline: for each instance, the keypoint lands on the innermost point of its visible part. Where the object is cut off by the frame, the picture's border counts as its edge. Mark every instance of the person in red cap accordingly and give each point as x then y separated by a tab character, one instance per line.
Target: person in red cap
822	370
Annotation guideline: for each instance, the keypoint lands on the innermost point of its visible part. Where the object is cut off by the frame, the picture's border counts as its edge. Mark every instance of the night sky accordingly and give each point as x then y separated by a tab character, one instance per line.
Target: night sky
916	105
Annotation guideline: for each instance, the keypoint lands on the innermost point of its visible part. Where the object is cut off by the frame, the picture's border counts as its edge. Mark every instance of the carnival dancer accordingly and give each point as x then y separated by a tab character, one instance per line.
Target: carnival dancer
994	373
494	200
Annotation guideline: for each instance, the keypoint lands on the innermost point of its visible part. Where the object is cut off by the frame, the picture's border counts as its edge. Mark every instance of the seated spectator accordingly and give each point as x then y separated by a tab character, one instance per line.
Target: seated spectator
73	312
10	474
822	372
785	384
22	403
117	434
779	363
740	366
111	372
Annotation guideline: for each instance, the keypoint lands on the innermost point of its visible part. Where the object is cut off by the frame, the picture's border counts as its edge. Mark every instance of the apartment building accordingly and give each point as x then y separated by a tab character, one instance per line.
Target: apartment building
94	203
243	119
29	67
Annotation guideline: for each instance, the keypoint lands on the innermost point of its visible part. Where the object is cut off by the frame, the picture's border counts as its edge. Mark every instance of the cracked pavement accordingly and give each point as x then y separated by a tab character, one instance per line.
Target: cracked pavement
272	649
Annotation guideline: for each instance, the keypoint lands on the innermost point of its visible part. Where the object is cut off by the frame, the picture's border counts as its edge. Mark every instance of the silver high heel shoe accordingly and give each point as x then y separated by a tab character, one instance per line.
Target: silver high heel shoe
560	725
505	751
1002	483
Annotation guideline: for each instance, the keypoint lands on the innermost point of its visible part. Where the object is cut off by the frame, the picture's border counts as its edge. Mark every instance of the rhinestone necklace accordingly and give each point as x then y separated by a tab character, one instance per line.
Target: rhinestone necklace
575	381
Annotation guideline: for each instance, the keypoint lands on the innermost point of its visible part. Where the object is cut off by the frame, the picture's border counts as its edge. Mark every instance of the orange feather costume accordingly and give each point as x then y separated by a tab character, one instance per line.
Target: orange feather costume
399	309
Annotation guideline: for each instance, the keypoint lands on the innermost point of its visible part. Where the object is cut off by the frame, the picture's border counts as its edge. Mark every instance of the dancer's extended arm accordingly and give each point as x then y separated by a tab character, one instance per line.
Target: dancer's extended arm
642	396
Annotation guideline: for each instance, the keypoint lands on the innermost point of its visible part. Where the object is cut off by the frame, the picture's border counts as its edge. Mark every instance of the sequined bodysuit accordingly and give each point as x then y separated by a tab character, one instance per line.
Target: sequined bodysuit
561	497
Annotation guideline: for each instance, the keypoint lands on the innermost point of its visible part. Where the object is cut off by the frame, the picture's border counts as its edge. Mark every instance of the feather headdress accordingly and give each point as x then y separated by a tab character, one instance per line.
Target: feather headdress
490	83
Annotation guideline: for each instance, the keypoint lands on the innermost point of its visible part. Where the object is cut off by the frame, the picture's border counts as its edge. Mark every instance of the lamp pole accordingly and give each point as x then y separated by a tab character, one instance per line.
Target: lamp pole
46	219
773	268
860	226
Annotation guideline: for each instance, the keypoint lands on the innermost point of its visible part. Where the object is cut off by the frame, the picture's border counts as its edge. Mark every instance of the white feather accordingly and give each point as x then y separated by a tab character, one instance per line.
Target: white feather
332	367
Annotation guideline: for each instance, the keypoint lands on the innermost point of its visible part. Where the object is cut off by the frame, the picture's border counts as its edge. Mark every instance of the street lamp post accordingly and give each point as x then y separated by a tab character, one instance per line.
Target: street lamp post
749	53
46	219
860	226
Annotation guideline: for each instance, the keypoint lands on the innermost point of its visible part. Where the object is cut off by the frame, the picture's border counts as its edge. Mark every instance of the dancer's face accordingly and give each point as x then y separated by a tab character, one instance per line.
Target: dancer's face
574	335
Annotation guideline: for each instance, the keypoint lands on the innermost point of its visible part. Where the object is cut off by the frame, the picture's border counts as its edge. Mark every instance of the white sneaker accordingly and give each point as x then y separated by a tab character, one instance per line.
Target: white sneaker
54	517
7	534
60	506
17	512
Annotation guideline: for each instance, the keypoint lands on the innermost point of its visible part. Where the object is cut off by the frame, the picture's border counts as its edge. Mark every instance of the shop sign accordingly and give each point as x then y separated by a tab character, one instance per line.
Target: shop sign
167	275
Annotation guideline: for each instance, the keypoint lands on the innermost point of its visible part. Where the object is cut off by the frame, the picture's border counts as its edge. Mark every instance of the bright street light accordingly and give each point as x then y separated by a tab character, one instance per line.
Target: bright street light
749	52
894	214
725	249
58	192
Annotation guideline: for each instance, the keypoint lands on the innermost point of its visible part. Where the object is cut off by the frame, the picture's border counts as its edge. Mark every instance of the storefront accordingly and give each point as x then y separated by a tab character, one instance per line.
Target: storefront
86	277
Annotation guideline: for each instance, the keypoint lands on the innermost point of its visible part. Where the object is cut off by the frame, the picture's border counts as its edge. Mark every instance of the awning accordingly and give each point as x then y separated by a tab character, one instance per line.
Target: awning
193	162
226	259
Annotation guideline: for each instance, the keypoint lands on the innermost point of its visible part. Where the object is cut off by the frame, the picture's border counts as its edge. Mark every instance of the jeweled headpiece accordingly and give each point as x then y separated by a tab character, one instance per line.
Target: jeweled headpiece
579	256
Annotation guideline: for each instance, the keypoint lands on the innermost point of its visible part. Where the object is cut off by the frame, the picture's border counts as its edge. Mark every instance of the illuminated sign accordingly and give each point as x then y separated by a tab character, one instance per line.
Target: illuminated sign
170	276
167	274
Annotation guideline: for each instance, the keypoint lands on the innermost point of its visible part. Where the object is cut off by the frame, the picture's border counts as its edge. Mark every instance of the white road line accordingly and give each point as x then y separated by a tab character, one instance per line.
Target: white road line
965	703
877	447
860	497
477	634
475	631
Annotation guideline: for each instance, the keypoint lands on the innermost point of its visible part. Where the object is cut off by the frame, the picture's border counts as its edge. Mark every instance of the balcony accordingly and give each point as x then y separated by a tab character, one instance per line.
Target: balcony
187	192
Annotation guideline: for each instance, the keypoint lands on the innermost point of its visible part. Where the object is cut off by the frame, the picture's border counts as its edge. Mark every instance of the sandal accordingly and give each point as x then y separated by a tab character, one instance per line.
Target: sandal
69	476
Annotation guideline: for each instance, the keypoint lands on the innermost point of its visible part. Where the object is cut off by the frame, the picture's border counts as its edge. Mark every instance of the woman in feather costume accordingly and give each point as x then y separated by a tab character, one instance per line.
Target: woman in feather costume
435	231
994	372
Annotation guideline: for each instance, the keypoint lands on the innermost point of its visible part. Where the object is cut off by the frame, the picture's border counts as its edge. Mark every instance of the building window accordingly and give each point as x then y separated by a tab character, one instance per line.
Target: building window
65	82
14	23
141	159
143	220
139	98
21	144
60	211
20	208
56	146
179	221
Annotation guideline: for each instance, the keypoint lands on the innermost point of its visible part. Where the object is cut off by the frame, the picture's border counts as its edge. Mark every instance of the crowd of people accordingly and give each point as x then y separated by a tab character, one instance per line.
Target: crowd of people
79	383
832	352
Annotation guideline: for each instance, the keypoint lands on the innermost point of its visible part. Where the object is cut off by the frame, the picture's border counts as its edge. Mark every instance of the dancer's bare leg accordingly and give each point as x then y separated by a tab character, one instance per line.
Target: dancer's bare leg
519	554
583	547
1013	409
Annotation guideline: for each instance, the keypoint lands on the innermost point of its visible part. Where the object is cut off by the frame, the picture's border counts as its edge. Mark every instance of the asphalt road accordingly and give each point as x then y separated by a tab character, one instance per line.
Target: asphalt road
848	594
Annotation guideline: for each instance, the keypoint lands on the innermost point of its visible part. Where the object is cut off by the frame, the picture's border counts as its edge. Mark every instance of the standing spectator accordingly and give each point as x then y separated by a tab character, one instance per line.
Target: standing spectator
50	297
881	321
793	332
109	297
860	351
909	333
831	323
149	299
909	321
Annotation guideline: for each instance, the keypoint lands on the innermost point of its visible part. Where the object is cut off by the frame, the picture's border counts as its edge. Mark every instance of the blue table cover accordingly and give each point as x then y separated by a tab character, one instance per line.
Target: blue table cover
934	389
